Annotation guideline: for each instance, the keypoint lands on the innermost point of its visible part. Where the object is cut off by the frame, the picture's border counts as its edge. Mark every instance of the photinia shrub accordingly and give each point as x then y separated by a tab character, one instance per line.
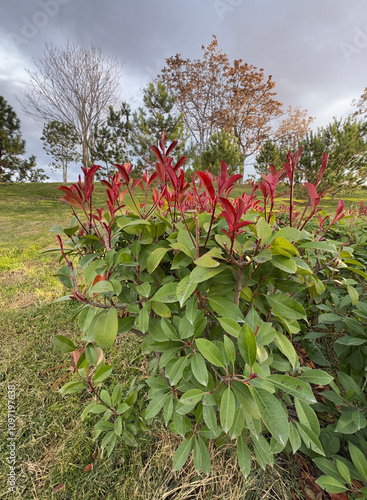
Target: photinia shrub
230	300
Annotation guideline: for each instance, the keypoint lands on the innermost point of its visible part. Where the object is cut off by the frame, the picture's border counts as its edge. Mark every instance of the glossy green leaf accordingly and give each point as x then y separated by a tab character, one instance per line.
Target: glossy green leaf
63	344
310	439
191	397
330	484
200	274
243	456
307	416
286	306
155	258
182	453
286	347
273	414
263	230
230	326
102	372
226	308
210	352
316	376
227	409
247	344
359	460
167	293
199	368
105	328
230	349
293	386
155	406
185	289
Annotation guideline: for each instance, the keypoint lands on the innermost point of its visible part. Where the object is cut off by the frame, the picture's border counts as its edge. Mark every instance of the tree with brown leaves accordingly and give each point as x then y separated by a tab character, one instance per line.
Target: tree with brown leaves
215	95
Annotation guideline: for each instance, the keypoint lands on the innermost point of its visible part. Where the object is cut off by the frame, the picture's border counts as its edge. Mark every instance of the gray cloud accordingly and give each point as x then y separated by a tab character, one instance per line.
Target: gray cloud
316	50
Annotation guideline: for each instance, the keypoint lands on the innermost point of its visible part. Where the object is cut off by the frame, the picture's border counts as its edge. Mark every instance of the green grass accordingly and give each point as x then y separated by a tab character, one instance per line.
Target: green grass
53	445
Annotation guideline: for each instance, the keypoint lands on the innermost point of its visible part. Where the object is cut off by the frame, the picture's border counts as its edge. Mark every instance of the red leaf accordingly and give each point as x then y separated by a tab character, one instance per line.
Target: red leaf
157	153
88	468
160	170
312	193
162	143
171	147
71	202
123	172
325	158
180	162
208	184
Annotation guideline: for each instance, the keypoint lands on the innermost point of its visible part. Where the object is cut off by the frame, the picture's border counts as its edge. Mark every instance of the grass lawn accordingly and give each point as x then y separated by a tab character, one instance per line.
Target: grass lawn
53	446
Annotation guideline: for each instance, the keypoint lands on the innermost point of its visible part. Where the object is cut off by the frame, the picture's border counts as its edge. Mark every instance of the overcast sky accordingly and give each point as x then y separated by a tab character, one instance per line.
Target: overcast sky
316	50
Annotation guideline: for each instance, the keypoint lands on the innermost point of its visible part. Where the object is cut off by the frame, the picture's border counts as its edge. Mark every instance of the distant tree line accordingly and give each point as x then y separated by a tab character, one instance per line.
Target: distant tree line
218	109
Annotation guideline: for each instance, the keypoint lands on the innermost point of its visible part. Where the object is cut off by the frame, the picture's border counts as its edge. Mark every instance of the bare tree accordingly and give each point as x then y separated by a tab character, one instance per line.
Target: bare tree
75	86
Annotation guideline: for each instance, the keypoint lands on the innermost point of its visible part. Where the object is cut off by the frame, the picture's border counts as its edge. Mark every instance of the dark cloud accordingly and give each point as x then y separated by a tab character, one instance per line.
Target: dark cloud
316	50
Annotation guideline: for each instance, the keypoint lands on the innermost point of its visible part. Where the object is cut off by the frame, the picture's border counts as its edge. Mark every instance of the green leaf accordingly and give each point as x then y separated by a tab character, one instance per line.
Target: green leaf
206	261
246	399
202	456
182	454
191	397
286	306
63	344
344	471
199	369
161	309
351	422
144	289
210	352
117	394
310	439
143	319
307	416
273	414
316	376
91	354
226	308
359	460
105	328
230	349
294	438
169	330
167	293
155	258
230	326
263	231
353	294
247	344
330	484
210	417
118	426
72	387
227	409
286	347
175	372
200	274
101	287
102	372
243	456
284	263
185	289
155	406
293	386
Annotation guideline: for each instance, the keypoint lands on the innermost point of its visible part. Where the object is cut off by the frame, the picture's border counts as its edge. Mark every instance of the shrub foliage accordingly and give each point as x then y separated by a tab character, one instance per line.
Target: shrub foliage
254	322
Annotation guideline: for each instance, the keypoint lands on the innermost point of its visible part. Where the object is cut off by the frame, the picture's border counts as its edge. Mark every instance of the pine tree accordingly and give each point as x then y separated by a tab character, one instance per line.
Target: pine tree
13	167
60	140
